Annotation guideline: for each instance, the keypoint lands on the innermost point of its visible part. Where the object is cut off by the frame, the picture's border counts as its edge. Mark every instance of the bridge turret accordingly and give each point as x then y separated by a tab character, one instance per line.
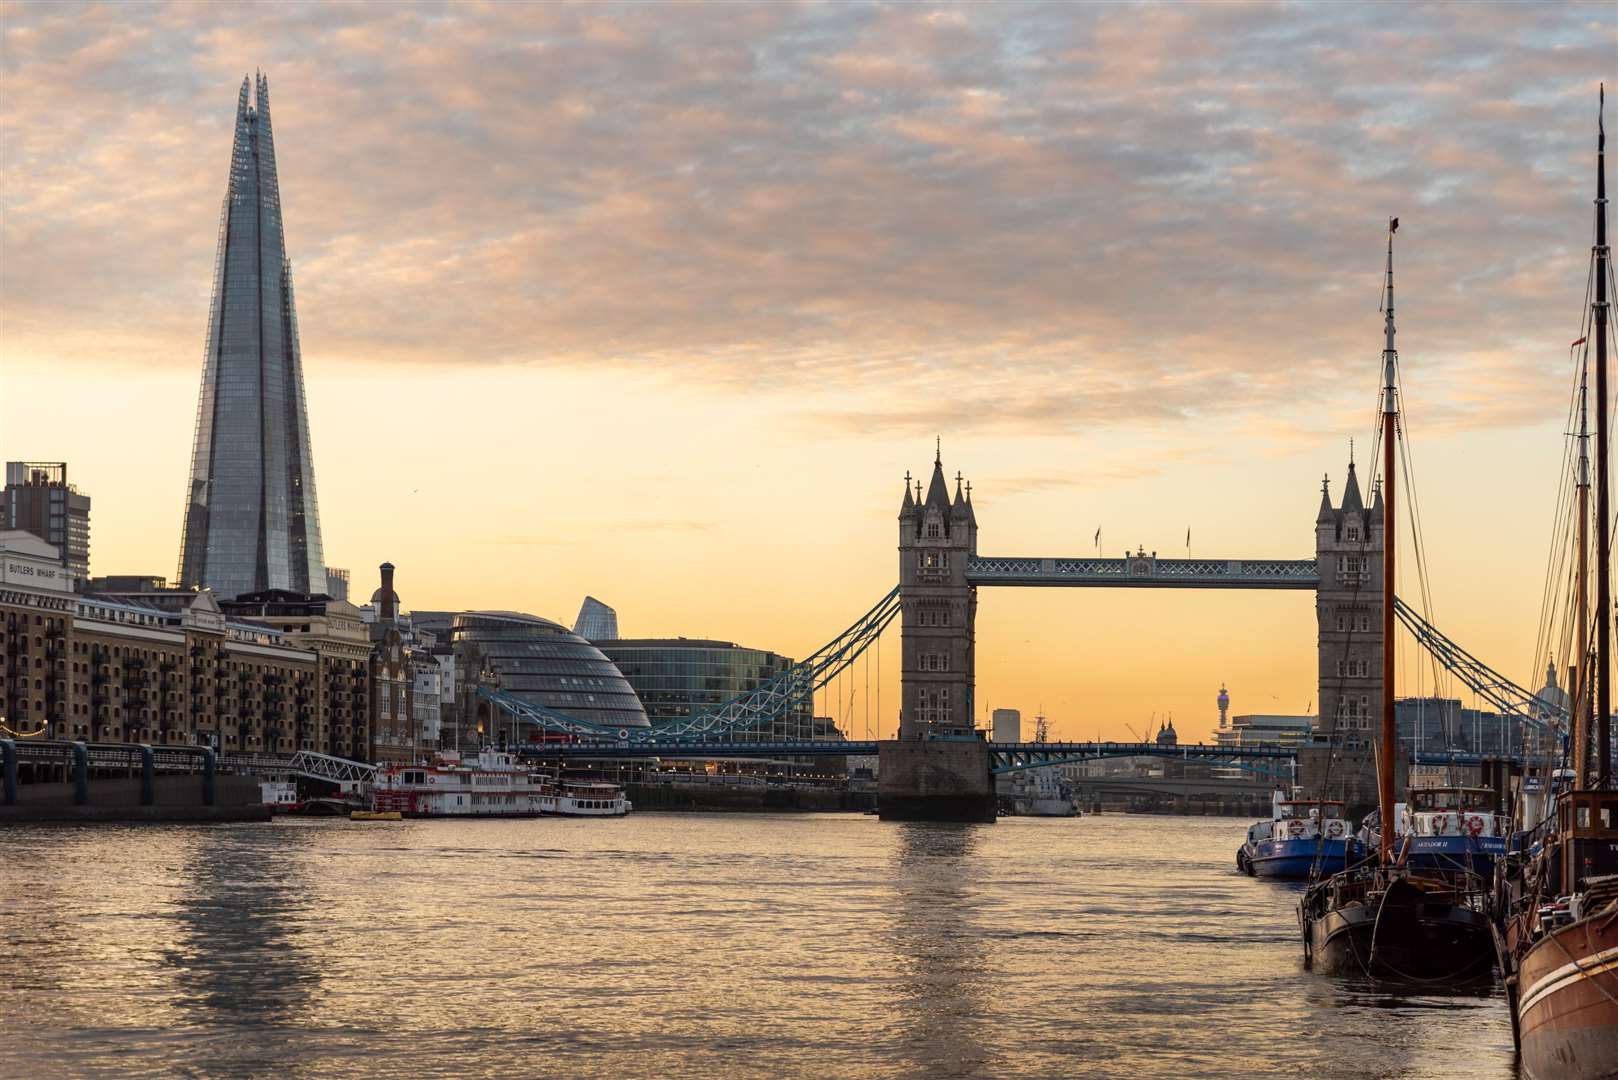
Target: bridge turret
937	534
1348	605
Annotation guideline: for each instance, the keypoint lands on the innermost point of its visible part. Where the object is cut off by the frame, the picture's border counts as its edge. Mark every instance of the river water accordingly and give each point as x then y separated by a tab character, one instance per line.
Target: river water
687	945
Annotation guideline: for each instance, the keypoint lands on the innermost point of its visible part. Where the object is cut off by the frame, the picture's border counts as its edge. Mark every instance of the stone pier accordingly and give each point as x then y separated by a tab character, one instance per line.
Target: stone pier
935	780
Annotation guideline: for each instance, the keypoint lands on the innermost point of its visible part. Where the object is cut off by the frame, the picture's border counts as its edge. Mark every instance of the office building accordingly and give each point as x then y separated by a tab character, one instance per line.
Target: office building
251	520
545	663
336	583
680	677
1006	725
596	621
38	499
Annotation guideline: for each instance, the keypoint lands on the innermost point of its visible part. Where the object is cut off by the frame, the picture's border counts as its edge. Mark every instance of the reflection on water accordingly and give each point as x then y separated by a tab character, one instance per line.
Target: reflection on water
938	950
688	945
237	961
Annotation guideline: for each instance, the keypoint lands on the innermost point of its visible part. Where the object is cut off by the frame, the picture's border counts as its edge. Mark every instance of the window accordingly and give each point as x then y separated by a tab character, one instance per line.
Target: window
934	661
934	531
1352	532
932	560
1351	570
933	705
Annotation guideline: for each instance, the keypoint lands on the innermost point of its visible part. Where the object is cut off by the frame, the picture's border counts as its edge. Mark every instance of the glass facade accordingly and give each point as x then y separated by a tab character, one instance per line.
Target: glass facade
676	677
548	664
251	521
596	621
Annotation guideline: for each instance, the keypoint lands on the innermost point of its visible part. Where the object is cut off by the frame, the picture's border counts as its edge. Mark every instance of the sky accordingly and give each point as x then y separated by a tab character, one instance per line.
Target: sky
660	303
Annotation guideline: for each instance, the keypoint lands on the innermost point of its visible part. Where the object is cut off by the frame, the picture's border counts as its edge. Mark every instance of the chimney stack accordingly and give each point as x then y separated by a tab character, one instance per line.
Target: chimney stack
385	612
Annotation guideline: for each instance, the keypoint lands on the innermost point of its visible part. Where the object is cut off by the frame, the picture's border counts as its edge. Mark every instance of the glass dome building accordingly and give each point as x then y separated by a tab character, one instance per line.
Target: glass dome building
548	664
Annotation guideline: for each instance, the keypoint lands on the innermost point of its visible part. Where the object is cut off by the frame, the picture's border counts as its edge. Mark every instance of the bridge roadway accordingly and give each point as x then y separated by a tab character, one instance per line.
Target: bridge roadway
1008	757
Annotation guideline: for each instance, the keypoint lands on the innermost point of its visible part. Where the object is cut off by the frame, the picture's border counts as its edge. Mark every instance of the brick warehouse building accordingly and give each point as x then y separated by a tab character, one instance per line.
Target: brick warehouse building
174	668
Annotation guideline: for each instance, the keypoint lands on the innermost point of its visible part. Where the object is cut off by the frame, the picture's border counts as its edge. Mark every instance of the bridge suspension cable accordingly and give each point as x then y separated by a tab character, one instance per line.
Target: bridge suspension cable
1511	700
769	700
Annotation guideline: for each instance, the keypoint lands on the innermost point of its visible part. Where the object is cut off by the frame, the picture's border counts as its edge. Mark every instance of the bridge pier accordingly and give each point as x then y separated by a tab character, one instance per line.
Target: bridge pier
935	780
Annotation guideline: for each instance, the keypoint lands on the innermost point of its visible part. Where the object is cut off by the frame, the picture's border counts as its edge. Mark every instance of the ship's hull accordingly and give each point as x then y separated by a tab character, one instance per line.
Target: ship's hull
1403	935
1298	860
1567	1002
1475	854
1022	807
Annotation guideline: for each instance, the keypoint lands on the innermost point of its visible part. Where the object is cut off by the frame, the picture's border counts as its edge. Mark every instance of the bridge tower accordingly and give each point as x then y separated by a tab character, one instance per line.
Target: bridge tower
937	534
1348	606
938	769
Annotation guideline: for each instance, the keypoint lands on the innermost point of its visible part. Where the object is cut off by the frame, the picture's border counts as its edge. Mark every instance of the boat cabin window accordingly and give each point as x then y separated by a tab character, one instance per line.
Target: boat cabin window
415	777
1588	811
1453	799
1310	809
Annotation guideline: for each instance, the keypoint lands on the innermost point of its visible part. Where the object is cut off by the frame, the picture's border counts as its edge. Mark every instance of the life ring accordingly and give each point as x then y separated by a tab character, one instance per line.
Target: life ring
1474	825
1294	829
1334	829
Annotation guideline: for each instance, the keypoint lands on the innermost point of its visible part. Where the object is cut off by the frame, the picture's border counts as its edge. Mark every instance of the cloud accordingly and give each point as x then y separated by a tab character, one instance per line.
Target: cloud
1046	215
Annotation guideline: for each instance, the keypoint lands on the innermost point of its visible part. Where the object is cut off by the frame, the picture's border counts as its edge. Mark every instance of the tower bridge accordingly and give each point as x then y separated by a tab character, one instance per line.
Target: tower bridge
939	766
941	572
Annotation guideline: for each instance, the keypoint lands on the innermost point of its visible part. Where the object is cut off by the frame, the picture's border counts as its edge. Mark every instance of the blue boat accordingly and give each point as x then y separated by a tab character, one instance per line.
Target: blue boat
1454	829
1304	838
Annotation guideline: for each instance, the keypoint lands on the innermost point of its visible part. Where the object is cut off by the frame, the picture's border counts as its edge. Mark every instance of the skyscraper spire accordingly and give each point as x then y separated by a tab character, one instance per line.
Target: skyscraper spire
251	518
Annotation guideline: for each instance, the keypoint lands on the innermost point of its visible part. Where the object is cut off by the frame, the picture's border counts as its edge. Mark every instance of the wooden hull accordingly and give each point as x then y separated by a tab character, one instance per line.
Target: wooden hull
1567	1002
1402	935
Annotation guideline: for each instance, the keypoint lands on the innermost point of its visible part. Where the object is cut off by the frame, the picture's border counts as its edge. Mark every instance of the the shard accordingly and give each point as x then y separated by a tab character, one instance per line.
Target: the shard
251	521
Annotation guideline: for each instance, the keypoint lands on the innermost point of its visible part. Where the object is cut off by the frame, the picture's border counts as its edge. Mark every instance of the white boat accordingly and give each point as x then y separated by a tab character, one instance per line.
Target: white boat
281	796
1037	793
591	798
491	783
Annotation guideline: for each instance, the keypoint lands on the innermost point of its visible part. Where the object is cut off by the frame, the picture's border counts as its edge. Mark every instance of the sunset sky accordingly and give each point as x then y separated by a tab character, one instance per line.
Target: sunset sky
659	303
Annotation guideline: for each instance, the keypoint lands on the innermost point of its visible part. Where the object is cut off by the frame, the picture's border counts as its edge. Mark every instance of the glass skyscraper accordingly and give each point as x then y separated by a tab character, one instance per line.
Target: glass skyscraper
596	621
251	521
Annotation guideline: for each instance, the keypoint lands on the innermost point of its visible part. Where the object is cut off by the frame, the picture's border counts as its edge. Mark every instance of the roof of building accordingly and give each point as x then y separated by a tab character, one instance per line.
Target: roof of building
938	490
23	542
1351	491
668	643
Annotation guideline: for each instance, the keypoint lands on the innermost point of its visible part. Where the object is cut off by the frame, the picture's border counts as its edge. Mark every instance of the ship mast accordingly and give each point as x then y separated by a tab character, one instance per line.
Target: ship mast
1603	614
1390	416
1581	670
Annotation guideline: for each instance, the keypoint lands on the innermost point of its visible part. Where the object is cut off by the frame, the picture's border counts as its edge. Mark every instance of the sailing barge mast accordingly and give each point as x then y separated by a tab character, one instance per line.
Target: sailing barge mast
1390	418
